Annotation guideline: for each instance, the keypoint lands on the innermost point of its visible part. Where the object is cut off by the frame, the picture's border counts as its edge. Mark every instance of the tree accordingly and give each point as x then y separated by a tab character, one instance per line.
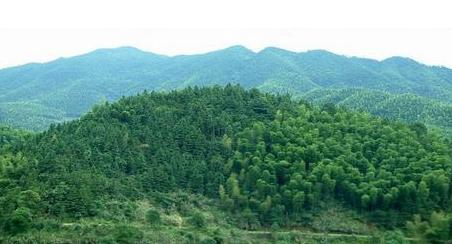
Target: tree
29	199
423	193
298	202
248	219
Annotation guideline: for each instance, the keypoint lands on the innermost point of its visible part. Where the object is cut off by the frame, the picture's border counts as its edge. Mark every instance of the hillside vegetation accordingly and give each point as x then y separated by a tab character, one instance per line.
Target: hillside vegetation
223	162
403	107
35	95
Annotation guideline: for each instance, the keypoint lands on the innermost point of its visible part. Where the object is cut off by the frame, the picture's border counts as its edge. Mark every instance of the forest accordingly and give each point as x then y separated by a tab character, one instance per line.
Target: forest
225	164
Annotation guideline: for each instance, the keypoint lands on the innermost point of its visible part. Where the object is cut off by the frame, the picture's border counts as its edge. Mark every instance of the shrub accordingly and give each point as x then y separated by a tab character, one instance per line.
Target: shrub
19	221
208	240
128	234
197	219
153	217
394	237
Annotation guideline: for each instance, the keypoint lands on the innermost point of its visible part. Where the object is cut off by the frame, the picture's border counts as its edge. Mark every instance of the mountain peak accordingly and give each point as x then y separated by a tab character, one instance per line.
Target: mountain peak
237	49
320	52
122	49
275	50
126	52
398	60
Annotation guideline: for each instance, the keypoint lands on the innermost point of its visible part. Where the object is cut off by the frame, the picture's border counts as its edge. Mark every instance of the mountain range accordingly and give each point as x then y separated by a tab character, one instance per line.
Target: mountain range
33	96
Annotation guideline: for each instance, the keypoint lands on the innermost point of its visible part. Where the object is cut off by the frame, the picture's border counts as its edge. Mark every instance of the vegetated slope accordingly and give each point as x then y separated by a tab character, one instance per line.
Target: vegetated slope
266	158
405	107
9	136
66	88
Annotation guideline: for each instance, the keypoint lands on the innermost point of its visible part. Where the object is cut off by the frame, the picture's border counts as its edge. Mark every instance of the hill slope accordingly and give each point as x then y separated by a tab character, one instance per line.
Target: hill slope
404	107
35	95
267	160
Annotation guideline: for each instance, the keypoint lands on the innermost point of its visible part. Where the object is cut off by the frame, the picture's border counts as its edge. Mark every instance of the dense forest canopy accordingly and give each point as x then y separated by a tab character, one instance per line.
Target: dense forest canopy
267	158
35	95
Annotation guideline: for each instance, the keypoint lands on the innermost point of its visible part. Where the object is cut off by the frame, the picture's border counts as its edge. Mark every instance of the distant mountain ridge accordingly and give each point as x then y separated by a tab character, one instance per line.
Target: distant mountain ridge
34	95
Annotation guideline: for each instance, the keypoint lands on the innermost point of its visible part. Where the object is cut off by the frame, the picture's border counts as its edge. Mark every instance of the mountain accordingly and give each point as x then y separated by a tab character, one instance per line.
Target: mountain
36	95
220	164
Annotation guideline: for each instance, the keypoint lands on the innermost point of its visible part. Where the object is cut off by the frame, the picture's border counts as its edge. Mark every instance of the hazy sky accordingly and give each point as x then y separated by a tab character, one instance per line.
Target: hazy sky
39	31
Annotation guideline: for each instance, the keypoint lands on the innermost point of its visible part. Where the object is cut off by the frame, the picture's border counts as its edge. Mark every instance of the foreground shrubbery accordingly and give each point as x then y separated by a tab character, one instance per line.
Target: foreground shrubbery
437	228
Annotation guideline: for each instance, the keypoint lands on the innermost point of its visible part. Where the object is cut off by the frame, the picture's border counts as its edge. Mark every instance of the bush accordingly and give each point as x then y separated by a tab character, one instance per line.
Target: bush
19	221
275	226
437	228
208	240
394	237
197	219
46	224
153	217
128	234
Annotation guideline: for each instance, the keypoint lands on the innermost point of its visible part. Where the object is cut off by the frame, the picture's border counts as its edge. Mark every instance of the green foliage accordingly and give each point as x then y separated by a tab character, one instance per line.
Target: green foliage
153	217
411	108
318	155
394	237
197	219
438	228
333	218
10	137
127	234
248	220
20	220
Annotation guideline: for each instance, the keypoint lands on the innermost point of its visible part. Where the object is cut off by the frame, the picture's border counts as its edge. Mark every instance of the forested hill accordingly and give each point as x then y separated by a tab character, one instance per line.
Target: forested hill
35	95
266	159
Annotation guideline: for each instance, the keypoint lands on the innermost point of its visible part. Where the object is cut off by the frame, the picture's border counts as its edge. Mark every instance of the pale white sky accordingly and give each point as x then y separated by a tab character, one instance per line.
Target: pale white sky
40	31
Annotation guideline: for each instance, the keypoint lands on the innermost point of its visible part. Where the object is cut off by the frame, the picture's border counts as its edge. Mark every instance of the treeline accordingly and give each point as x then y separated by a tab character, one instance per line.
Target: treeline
265	157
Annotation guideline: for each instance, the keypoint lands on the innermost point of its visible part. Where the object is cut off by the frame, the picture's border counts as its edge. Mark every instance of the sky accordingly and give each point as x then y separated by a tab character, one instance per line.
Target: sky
40	31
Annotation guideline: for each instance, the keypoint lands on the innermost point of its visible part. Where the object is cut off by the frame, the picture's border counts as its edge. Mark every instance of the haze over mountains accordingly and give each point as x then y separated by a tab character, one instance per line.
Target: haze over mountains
35	95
